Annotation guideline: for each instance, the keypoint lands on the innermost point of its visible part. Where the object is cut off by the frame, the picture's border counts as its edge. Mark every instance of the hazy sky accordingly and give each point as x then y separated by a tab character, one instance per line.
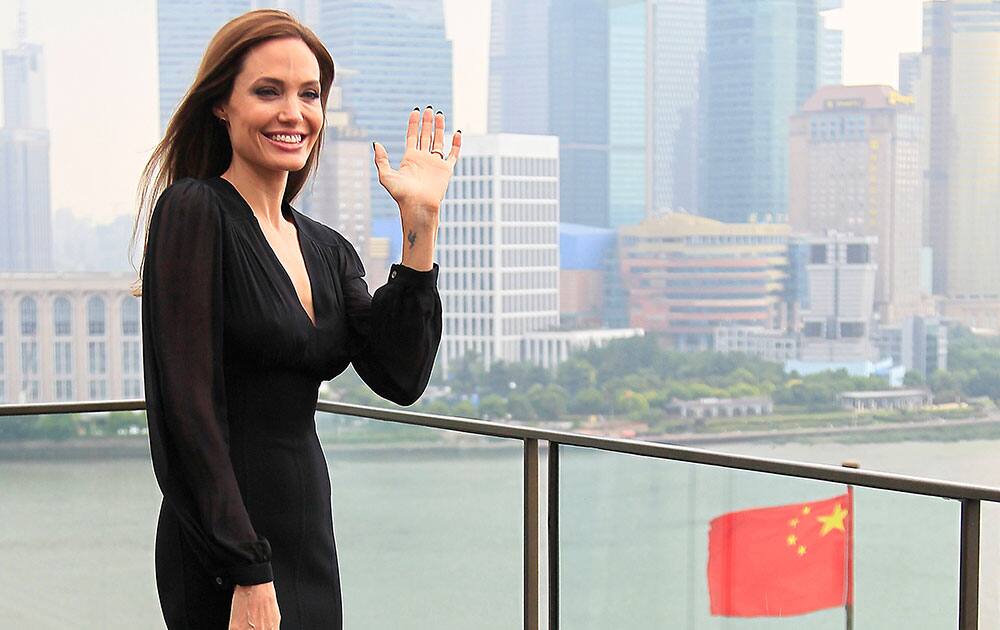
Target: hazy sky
102	82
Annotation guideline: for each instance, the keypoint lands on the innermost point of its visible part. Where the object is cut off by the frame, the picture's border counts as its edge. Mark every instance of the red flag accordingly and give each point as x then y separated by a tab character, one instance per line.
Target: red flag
782	560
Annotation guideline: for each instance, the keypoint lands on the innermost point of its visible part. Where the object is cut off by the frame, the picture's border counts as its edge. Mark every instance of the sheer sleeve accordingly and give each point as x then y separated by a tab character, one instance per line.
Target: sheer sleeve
182	317
395	334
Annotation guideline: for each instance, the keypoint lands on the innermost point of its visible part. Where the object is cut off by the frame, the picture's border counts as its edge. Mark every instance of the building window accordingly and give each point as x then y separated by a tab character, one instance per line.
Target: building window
29	317
817	254
857	254
130	316
95	315
62	316
97	357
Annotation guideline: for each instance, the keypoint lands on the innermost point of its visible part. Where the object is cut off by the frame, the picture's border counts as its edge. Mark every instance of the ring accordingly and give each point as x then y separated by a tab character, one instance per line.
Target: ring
439	153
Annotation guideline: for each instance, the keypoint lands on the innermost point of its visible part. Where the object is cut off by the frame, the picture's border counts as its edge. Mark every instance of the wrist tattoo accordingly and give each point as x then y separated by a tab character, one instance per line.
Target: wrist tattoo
412	238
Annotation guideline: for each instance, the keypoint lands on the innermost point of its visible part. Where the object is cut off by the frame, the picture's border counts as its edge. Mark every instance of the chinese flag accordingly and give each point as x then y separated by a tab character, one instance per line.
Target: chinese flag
782	560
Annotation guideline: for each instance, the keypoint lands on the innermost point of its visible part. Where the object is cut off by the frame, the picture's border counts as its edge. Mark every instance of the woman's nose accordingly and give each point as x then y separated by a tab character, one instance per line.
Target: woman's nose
291	110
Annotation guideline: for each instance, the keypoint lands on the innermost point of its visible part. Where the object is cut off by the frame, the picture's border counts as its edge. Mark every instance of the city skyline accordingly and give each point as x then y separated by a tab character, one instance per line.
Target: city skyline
93	36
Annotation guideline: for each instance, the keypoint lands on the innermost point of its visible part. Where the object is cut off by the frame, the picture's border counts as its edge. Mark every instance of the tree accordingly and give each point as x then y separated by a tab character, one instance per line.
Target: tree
549	402
492	406
589	401
913	379
519	408
575	374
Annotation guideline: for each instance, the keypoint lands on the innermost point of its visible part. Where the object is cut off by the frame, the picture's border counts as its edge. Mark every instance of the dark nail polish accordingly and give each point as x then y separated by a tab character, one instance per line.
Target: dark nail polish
429	107
438	111
416	109
459	131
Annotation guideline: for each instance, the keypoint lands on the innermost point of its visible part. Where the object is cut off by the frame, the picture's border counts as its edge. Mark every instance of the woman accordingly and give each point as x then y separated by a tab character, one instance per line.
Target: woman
248	306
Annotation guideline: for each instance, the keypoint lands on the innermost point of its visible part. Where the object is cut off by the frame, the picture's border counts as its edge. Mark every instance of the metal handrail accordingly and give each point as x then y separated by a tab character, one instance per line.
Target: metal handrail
969	495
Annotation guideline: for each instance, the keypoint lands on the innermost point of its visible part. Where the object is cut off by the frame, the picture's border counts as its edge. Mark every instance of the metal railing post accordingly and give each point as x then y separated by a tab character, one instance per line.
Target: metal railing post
968	589
553	535
530	534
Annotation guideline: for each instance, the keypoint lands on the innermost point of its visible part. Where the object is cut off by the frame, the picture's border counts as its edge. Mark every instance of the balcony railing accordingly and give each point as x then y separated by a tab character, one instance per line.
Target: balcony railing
967	498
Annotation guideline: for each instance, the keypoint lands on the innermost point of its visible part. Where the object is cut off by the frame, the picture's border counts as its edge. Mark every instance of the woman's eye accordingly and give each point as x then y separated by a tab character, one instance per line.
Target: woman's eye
269	91
313	94
263	90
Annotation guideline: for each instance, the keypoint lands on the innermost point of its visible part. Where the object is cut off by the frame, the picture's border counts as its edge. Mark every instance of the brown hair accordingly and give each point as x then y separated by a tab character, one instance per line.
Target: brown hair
196	144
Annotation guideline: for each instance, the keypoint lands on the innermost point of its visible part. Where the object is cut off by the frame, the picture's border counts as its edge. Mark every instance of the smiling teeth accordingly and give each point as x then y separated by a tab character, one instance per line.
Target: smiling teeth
287	139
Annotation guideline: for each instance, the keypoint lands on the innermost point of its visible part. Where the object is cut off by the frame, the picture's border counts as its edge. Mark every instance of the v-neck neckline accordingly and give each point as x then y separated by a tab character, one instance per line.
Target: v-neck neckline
274	256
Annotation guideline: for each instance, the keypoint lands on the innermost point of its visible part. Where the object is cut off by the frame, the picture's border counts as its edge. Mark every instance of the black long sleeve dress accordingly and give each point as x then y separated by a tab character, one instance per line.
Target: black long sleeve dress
233	366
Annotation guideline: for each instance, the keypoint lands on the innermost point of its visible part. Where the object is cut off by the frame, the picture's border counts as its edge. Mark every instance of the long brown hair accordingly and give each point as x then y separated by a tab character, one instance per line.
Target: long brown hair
196	144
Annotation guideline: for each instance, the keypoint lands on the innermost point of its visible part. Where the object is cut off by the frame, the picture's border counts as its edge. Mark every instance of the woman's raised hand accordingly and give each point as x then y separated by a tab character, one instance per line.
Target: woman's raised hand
255	607
420	183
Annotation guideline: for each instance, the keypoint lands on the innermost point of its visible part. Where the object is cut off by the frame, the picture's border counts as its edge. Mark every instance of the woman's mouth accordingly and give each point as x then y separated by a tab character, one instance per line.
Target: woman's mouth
286	142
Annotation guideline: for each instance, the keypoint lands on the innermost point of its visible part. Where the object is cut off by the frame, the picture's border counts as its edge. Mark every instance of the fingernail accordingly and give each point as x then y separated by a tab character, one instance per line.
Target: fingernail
429	107
373	146
459	131
438	111
416	109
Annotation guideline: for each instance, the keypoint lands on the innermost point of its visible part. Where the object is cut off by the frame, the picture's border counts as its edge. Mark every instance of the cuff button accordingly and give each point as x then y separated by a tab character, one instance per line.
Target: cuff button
218	580
393	274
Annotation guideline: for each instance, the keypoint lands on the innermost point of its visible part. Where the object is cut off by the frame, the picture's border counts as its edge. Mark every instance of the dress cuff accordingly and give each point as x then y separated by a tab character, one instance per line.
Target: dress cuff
245	575
408	276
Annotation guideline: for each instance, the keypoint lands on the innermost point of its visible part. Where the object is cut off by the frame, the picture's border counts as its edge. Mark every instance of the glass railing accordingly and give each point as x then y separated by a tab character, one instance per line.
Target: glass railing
450	522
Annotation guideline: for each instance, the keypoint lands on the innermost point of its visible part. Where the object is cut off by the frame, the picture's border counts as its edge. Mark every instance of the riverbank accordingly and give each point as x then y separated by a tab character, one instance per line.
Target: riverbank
938	430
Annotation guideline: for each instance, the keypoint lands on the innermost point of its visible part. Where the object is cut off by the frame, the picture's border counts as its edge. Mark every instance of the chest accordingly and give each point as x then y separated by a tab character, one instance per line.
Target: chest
288	252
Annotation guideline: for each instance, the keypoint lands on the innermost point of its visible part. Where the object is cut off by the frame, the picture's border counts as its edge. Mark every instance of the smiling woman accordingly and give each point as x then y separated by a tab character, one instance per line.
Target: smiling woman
248	306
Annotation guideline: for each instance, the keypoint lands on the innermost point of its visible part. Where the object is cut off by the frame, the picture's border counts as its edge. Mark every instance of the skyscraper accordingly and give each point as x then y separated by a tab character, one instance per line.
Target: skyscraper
933	94
184	28
578	107
761	65
678	52
25	199
854	167
627	119
909	72
971	256
402	60
518	99
831	47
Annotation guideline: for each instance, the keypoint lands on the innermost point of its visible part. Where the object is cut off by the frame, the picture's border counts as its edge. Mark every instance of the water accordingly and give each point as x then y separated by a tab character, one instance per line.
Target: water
433	539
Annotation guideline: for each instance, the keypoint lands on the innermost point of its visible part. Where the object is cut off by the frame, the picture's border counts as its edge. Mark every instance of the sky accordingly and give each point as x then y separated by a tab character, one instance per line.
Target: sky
100	58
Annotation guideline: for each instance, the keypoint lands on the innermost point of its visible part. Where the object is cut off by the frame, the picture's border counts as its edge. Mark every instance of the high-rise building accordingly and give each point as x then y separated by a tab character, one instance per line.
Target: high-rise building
933	94
854	167
677	51
578	107
909	72
183	30
762	61
401	60
831	58
518	97
25	198
499	246
971	256
686	275
627	121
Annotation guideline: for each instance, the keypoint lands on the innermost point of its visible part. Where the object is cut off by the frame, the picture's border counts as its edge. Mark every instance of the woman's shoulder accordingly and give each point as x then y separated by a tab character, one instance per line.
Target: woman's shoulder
320	232
191	198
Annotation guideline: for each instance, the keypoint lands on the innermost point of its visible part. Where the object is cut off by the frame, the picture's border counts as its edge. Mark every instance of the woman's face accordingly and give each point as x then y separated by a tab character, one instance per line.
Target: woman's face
275	97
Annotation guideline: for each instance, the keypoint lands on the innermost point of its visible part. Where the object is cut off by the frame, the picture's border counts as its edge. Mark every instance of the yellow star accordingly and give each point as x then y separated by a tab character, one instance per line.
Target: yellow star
832	521
791	539
793	522
806	510
802	550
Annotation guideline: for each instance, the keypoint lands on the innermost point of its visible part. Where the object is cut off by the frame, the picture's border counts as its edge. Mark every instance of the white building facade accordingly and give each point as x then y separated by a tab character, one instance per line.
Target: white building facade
498	246
69	336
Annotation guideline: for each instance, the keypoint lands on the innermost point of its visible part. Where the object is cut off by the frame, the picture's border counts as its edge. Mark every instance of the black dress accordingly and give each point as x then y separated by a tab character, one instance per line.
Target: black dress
233	366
